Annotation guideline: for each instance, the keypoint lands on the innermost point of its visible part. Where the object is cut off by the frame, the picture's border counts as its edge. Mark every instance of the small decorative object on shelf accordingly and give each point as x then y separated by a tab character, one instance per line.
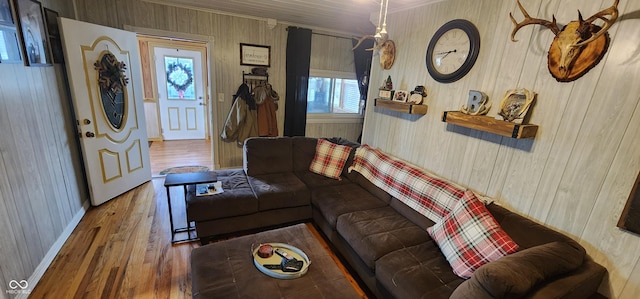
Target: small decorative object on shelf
400	96
515	105
417	95
477	104
386	90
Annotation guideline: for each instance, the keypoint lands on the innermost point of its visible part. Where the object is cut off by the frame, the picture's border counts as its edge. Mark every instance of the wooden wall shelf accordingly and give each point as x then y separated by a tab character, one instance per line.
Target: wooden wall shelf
490	124
401	107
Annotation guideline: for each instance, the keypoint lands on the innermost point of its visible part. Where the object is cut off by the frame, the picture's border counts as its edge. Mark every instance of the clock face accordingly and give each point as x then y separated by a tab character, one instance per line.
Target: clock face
453	51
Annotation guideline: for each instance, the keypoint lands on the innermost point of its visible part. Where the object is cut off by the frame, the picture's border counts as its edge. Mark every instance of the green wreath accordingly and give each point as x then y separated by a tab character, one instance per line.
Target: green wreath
177	72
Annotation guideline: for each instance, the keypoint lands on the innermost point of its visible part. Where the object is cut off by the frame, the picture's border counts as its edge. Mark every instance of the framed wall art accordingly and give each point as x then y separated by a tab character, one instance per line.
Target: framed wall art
34	37
9	42
255	55
53	33
400	96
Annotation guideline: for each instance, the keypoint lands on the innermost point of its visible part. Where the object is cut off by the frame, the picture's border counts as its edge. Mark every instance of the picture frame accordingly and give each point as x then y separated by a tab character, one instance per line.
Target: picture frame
630	218
9	34
35	45
400	96
255	55
515	105
53	32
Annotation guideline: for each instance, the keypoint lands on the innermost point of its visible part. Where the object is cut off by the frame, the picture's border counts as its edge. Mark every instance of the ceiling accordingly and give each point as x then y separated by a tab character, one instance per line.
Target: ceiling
346	16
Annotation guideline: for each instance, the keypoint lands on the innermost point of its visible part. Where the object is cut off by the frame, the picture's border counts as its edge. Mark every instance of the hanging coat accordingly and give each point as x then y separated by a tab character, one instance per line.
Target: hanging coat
242	121
267	98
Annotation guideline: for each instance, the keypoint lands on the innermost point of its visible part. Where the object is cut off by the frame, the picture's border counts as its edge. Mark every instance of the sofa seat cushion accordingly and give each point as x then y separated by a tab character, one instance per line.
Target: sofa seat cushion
237	199
279	190
419	271
333	201
376	232
314	180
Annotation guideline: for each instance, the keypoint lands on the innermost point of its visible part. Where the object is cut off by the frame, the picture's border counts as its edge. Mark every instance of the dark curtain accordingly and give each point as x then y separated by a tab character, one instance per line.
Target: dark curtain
298	60
362	59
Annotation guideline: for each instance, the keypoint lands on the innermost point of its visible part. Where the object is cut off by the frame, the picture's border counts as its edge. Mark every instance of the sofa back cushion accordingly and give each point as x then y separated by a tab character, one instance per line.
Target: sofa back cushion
304	148
266	155
524	231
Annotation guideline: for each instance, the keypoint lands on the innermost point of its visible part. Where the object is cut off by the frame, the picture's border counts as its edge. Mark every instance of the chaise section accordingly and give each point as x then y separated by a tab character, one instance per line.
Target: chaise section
419	271
237	199
376	232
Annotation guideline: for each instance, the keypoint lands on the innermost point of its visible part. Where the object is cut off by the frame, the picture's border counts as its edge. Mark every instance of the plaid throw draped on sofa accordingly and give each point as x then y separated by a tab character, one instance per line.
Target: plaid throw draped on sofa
431	196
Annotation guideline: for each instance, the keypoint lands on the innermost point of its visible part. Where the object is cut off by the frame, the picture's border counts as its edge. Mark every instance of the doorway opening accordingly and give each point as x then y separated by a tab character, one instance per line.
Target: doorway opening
179	115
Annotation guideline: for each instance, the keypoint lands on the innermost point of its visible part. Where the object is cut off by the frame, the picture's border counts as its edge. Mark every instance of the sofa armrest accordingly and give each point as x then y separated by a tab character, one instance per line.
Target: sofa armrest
518	274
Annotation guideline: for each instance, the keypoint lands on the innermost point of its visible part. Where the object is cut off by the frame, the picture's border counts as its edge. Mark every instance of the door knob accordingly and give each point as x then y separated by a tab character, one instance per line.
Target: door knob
90	134
86	121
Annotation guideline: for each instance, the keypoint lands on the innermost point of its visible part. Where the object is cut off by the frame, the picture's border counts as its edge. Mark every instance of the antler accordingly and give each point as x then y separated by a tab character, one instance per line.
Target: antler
612	12
528	20
362	39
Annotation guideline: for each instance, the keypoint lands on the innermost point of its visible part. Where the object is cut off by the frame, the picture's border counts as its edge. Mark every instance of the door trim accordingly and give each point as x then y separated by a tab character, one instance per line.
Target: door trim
209	41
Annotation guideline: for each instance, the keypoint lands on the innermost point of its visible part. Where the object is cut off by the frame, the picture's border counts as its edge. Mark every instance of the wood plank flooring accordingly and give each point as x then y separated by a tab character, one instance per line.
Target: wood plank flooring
172	153
122	249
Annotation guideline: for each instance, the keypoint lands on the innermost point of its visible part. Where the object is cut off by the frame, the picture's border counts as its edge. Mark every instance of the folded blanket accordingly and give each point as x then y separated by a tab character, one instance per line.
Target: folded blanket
429	195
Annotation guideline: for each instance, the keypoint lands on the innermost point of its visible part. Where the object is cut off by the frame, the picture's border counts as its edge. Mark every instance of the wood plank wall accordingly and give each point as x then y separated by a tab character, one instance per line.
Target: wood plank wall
227	32
577	173
42	185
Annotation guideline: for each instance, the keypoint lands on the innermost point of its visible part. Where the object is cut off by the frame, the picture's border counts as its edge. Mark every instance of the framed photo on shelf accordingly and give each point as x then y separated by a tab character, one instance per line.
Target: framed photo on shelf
34	37
400	96
255	55
53	32
515	105
8	35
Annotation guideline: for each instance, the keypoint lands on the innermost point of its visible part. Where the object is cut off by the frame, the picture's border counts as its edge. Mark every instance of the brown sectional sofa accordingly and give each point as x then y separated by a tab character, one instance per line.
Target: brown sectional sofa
383	240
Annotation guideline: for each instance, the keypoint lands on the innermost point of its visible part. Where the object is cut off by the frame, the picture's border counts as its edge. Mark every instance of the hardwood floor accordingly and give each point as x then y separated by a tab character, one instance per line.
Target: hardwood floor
172	153
122	249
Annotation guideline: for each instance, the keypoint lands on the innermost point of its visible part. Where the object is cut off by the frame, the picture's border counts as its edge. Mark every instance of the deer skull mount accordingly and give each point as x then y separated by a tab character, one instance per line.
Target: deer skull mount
383	46
577	47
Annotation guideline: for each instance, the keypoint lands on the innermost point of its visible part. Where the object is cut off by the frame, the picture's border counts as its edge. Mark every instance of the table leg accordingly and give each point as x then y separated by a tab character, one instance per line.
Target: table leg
173	233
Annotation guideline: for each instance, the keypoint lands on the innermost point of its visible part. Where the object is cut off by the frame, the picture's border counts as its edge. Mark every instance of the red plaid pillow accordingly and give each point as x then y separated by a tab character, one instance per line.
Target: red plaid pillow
329	159
470	237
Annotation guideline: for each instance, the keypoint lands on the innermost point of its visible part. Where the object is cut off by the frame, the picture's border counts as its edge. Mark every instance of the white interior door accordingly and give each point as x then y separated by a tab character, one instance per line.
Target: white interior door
180	93
103	65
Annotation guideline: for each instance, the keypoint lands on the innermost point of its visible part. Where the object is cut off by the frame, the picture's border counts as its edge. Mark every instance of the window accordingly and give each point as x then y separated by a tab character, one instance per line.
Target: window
332	93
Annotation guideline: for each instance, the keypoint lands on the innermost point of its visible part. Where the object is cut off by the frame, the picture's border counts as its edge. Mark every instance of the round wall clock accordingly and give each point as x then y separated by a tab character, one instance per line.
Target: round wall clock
453	51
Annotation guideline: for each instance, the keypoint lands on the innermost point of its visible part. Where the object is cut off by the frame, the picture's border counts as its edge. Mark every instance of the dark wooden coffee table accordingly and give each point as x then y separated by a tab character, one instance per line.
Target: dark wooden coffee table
185	179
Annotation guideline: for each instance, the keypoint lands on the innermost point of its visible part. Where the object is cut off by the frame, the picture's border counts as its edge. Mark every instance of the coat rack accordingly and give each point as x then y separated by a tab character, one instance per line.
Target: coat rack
253	80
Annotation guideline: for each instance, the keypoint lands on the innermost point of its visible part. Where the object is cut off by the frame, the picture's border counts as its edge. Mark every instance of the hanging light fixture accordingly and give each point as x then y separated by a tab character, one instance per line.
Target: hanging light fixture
380	31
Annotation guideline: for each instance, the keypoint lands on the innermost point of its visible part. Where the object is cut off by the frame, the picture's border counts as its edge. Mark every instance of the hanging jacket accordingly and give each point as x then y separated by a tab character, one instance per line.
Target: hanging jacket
267	98
241	122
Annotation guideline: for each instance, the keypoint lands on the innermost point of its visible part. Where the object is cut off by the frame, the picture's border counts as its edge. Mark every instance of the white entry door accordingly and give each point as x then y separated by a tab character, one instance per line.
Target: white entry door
103	65
180	93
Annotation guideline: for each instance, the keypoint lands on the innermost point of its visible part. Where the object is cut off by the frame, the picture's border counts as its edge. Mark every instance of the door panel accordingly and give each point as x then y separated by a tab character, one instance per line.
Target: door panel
181	94
104	72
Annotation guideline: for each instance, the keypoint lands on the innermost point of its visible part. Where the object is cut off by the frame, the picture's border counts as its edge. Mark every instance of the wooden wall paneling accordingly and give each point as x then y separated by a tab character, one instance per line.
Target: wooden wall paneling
600	134
49	175
59	122
617	249
144	14
26	137
632	287
17	207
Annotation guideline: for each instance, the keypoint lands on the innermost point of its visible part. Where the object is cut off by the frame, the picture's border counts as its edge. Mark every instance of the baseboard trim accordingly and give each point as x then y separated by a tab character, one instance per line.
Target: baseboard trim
55	249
